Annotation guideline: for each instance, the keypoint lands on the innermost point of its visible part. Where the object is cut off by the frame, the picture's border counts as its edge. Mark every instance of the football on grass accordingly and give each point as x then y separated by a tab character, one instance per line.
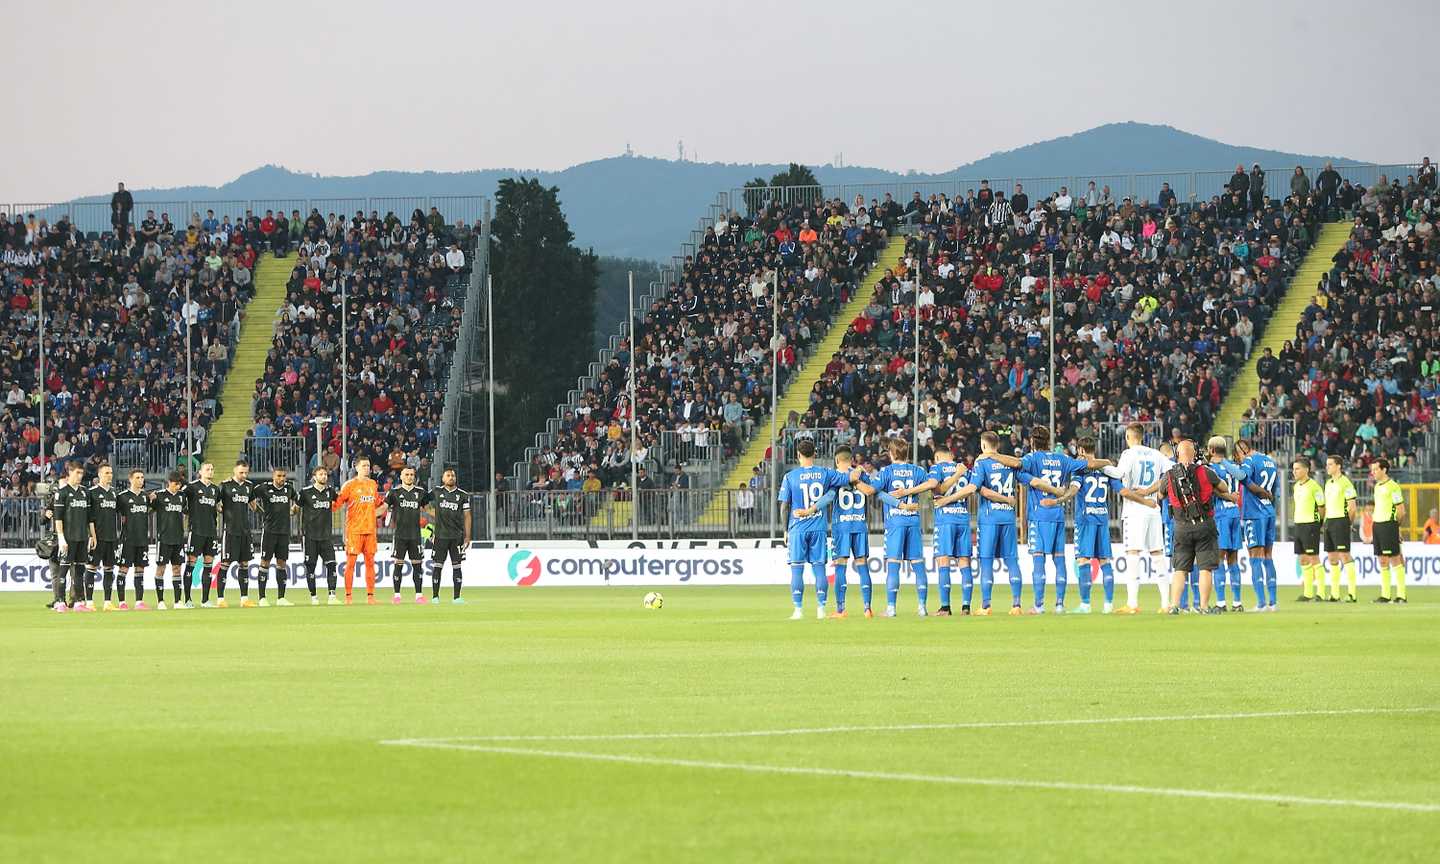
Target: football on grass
653	600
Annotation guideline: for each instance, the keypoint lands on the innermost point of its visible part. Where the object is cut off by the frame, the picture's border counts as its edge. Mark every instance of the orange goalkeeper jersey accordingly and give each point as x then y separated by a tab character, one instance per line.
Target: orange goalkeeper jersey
361	497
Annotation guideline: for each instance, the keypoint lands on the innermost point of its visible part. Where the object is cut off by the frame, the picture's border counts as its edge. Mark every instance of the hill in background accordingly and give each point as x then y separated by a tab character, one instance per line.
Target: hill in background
643	208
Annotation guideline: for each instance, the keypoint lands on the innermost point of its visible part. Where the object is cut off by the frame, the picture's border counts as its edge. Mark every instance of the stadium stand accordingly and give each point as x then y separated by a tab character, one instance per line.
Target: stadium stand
1361	374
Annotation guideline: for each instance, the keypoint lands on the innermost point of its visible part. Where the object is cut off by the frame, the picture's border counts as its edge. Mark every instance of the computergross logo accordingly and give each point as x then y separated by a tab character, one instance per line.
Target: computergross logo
524	567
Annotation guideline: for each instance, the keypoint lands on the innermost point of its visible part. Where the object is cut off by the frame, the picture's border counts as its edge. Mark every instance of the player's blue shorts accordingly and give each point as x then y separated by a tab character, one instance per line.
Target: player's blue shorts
1047	538
807	547
1169	529
952	540
1092	541
850	544
1259	532
902	543
1230	534
996	541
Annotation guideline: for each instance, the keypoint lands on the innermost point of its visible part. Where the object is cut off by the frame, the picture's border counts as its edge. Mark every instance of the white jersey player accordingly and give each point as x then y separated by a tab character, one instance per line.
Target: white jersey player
1143	526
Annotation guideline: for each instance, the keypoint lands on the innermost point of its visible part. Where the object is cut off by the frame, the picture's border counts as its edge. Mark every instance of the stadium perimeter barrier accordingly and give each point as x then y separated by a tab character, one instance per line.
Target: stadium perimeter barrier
92	215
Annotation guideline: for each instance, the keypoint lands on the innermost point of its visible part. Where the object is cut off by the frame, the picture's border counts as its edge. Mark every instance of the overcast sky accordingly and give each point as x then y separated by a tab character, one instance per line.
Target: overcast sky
165	93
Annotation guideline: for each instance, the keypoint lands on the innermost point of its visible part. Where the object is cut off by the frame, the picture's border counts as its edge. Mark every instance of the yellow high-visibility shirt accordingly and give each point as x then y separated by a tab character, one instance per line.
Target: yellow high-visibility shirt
1388	496
1309	498
1339	492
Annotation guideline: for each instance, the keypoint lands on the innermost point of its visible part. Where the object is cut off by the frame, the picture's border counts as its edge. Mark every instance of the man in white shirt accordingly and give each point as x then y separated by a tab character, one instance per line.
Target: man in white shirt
455	259
1143	529
1063	202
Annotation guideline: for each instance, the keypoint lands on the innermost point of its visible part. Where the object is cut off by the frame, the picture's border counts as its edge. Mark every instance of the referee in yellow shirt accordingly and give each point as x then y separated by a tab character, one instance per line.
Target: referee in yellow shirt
1309	501
1389	510
1340	510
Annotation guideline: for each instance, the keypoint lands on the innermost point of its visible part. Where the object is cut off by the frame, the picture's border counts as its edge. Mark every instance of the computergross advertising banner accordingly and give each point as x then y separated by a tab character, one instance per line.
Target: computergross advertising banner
681	562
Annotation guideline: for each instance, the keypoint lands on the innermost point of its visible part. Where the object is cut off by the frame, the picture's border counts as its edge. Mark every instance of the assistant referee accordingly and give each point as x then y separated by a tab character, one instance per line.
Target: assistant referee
1309	504
1389	510
1340	509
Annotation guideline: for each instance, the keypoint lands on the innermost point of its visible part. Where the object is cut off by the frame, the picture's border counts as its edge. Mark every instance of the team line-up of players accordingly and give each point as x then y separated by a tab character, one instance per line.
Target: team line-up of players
1230	507
105	533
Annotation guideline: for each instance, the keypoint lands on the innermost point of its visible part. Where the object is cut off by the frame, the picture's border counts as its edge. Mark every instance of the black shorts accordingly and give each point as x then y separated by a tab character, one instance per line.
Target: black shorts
203	547
1196	544
78	552
274	547
1337	535
170	553
103	554
133	555
320	550
406	550
448	549
238	548
1307	538
1387	539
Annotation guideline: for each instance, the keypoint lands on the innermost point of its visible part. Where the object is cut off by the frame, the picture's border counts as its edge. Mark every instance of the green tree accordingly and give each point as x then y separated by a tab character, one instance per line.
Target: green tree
544	310
803	186
612	302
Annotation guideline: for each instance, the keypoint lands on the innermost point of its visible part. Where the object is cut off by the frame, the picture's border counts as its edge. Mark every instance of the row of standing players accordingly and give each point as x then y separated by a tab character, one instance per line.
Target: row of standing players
1238	513
101	534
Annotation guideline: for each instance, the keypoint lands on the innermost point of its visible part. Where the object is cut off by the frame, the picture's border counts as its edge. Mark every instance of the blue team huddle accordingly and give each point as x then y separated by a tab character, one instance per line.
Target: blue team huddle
1190	518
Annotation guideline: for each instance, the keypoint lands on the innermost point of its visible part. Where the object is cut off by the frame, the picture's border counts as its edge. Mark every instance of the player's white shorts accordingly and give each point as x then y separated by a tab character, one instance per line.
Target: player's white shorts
1143	530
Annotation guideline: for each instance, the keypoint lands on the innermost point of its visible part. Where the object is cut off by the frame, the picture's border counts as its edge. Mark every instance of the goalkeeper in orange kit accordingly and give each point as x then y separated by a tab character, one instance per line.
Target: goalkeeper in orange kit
360	498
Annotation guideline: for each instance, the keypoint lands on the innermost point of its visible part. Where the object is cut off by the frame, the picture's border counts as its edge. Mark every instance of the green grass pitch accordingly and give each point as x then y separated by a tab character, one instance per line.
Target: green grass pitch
254	735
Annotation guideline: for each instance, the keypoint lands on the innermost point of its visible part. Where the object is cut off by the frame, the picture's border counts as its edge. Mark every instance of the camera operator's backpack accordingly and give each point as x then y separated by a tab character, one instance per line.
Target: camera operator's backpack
1190	491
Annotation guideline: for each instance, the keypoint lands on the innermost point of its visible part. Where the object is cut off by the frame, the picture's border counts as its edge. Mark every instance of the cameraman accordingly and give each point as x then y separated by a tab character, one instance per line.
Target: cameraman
1191	489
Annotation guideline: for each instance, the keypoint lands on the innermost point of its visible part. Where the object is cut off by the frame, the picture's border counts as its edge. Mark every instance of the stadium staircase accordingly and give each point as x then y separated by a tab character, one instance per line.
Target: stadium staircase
1281	325
226	439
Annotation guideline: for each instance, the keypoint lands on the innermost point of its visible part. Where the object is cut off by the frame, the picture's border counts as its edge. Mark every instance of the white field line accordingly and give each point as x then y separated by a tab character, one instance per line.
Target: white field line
991	782
911	727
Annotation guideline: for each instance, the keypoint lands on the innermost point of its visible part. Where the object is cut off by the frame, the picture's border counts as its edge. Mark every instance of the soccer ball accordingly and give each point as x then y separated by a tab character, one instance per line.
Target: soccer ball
653	600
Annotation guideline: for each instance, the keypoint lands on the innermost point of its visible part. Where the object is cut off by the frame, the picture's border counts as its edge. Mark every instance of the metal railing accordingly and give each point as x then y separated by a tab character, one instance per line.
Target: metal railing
267	453
157	457
1112	442
1275	437
1188	186
696	447
463	361
92	215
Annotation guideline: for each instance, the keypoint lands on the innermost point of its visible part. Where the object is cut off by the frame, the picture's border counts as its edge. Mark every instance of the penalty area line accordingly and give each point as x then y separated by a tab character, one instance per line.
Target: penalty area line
913	727
989	782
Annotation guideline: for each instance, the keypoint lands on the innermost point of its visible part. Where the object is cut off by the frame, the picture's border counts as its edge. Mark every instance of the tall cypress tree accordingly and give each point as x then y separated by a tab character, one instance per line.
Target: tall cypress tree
544	311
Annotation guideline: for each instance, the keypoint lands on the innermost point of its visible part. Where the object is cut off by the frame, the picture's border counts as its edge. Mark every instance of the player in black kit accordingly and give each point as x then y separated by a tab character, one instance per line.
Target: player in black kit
407	501
318	533
202	509
238	548
276	502
169	507
134	506
105	516
74	534
452	533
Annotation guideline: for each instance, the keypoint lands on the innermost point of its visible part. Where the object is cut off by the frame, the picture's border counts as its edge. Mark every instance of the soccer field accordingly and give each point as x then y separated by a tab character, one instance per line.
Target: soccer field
574	725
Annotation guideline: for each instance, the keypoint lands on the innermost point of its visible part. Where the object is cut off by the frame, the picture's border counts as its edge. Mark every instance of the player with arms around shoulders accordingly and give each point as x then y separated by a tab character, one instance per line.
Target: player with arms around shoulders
238	548
1227	525
892	485
452	534
802	493
406	502
1045	515
950	486
1257	520
1143	529
276	501
849	536
1092	530
996	475
133	505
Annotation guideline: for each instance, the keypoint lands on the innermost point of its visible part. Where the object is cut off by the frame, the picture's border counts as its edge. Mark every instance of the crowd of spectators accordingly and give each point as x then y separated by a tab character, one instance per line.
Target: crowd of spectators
1362	374
703	349
1157	305
115	327
403	285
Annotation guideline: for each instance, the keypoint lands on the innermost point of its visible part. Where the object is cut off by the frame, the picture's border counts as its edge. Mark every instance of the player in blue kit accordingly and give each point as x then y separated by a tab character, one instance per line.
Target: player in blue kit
996	482
900	479
801	492
1257	520
949	482
1092	530
1227	524
849	536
